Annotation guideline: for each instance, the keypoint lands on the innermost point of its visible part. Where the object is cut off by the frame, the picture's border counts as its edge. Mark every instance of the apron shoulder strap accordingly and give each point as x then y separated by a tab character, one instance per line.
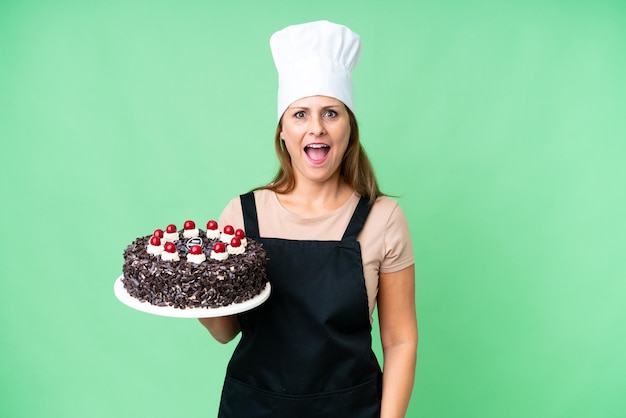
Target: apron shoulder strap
250	219
358	219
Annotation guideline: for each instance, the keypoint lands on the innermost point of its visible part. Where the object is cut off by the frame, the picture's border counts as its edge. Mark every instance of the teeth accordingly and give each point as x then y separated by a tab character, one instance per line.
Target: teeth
317	146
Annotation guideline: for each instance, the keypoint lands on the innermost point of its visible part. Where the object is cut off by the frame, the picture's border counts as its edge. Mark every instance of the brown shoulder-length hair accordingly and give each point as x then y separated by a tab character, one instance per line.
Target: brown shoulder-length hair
356	169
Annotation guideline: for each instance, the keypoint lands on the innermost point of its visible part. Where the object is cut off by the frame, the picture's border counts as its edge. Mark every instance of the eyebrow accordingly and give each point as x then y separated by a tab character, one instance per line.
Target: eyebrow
308	108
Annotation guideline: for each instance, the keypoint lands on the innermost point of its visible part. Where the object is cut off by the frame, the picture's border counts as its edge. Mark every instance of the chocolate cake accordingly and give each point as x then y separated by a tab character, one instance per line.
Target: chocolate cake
194	268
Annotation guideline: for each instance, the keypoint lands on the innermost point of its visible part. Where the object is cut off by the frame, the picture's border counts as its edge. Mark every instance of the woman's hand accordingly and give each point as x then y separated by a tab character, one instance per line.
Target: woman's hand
223	328
398	333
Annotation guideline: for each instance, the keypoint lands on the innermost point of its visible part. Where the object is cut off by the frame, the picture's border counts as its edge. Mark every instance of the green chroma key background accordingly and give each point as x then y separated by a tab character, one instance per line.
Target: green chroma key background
499	125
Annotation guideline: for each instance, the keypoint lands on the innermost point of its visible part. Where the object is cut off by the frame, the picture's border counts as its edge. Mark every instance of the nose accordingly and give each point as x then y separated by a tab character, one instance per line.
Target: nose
316	126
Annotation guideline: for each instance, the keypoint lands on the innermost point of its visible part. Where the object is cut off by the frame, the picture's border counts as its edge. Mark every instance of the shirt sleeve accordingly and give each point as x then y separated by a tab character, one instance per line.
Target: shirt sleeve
231	215
398	246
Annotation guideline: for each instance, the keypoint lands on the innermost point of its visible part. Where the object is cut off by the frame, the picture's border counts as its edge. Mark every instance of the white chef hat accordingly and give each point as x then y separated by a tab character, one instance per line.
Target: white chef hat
315	59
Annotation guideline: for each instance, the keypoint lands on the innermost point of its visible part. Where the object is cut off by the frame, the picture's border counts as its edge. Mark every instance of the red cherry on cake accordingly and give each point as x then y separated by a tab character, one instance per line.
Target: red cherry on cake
171	228
155	240
235	242
189	225
240	234
158	233
195	249
229	230
212	225
170	247
219	247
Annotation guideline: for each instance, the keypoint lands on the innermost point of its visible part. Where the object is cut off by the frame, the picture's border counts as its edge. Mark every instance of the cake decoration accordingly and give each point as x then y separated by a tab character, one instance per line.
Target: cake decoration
219	252
195	254
193	241
171	233
227	234
170	253
211	230
190	230
194	272
239	233
235	246
154	245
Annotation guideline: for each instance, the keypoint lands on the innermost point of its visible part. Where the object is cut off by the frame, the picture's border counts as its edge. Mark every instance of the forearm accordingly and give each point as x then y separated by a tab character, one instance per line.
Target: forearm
398	334
398	378
223	328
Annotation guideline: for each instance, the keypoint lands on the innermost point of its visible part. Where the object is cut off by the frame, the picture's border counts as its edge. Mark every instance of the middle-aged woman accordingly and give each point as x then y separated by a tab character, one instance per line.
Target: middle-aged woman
337	247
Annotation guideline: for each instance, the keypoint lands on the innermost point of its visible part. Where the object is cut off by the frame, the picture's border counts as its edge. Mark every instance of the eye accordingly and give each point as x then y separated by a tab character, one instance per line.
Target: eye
330	114
299	114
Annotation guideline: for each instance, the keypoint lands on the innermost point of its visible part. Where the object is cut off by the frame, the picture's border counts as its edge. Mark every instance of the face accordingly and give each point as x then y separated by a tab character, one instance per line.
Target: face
316	131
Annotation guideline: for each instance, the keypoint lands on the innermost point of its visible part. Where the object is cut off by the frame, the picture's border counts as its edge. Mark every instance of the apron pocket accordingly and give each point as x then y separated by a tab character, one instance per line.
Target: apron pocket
240	400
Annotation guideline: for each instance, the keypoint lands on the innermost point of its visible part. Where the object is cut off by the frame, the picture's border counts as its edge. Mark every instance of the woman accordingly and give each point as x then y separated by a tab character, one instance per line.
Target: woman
336	246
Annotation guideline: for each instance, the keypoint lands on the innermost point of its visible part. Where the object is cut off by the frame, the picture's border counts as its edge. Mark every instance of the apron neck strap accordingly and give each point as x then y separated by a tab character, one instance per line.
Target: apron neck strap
358	219
250	219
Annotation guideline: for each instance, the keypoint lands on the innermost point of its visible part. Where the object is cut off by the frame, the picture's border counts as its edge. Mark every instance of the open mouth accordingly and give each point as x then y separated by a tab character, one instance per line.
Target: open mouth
317	152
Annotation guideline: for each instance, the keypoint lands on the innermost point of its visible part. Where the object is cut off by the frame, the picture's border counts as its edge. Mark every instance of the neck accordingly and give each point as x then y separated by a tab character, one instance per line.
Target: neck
311	199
